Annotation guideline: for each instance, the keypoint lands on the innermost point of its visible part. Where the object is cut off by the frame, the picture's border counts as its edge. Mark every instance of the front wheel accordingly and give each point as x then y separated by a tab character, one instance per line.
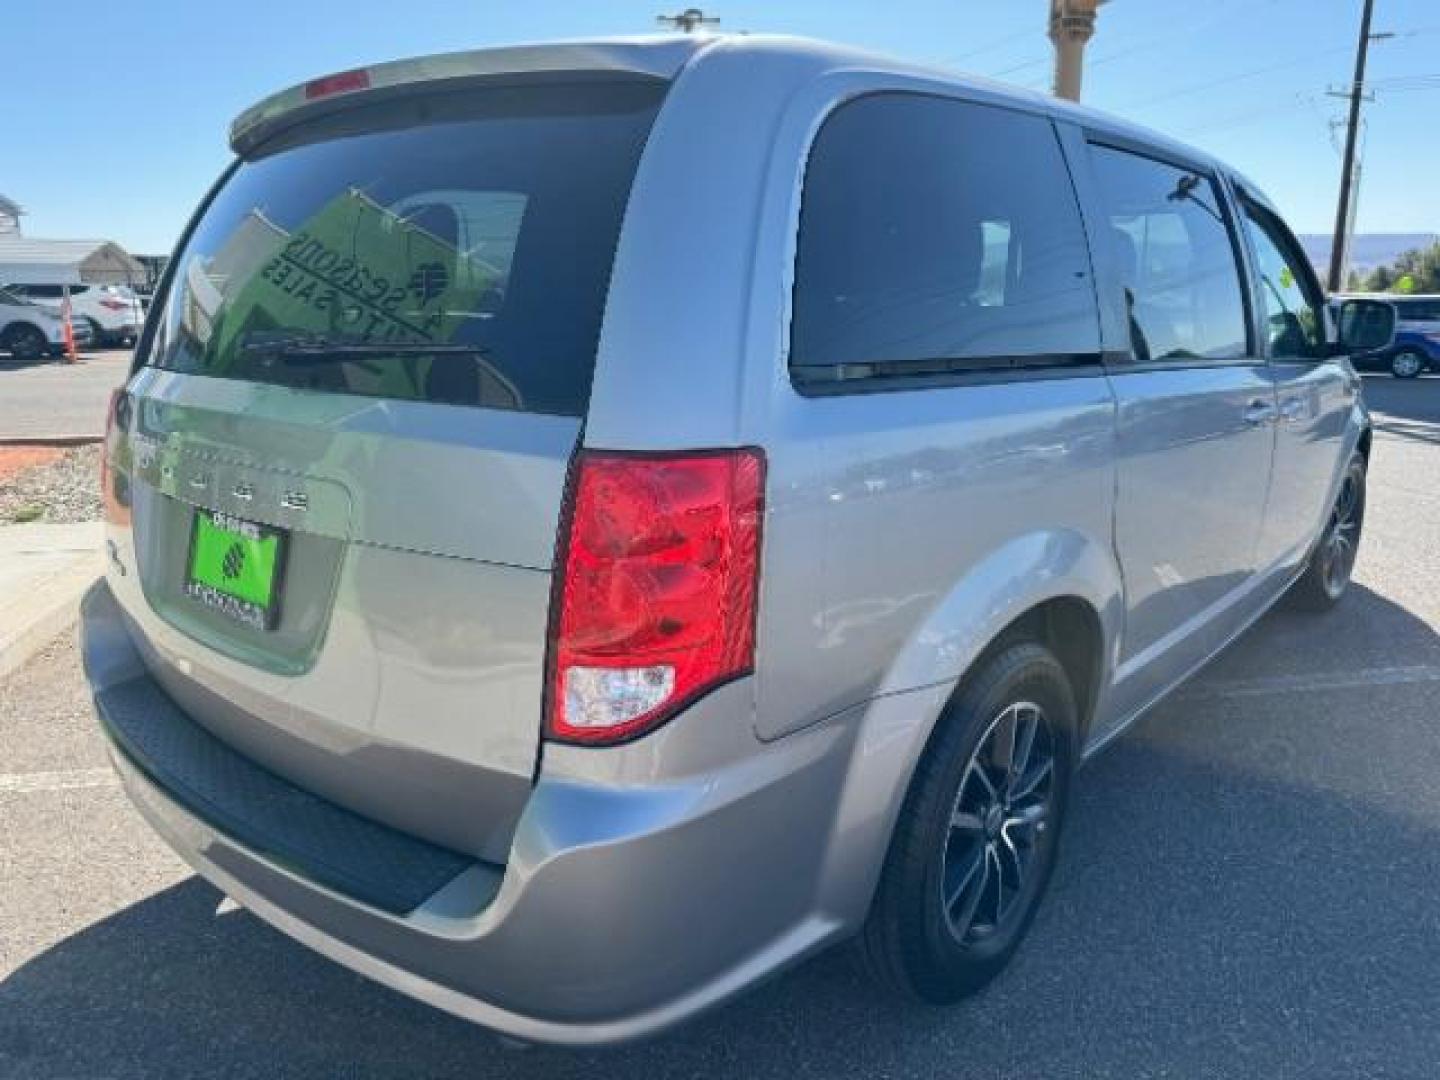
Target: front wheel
1327	575
1407	364
978	834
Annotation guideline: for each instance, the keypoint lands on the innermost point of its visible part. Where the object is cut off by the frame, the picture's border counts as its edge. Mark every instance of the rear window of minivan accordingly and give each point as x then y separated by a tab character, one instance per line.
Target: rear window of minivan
452	248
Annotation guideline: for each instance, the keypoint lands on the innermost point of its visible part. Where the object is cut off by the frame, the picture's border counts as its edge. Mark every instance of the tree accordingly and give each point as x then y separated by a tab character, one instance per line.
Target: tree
1415	271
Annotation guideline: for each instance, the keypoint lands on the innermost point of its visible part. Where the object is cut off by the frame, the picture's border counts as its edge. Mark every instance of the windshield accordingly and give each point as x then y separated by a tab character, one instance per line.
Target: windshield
472	232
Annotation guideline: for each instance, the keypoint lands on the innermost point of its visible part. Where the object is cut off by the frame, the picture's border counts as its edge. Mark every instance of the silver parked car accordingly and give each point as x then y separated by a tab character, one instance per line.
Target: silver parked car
591	525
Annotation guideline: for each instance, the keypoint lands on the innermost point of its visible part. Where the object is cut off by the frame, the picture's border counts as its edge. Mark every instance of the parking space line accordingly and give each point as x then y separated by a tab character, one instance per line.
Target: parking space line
57	781
1289	684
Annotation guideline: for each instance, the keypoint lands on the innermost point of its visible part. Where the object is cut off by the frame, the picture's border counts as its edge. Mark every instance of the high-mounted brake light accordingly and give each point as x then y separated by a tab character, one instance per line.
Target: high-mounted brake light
343	82
656	589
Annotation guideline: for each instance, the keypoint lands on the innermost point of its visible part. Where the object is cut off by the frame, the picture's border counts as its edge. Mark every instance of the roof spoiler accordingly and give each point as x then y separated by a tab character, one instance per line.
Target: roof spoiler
656	57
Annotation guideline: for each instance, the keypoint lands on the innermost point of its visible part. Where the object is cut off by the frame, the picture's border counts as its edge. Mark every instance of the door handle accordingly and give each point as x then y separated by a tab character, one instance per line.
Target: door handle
1259	412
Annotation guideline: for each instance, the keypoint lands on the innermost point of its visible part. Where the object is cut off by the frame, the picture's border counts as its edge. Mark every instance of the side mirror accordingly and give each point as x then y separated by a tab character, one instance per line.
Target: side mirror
1364	326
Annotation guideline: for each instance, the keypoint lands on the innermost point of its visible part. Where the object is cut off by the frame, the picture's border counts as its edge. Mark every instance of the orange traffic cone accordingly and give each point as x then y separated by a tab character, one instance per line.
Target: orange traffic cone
68	329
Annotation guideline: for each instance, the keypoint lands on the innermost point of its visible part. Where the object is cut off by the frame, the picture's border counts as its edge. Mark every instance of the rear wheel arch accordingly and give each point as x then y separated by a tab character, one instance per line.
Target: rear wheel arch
1071	629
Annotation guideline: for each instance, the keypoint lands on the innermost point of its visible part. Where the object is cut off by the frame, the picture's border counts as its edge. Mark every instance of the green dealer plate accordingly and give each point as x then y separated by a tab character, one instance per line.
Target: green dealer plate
235	568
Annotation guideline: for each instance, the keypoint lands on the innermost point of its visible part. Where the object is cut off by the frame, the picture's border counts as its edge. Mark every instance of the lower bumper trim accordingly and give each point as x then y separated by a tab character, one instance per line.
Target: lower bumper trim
317	839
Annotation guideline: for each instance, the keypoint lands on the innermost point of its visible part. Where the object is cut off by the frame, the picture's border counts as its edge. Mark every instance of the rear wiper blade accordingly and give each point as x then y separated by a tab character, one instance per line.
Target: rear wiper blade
333	348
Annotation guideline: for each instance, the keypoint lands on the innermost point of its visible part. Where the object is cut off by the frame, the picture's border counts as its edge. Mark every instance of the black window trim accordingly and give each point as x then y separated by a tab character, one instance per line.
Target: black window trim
1289	246
1164	155
935	373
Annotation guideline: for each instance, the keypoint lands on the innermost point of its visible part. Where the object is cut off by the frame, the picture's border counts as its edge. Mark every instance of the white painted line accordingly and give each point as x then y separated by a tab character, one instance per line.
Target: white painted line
1290	684
57	781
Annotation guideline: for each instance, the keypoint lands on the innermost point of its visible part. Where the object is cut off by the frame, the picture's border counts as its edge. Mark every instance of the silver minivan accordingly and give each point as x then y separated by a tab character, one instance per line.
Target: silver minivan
591	525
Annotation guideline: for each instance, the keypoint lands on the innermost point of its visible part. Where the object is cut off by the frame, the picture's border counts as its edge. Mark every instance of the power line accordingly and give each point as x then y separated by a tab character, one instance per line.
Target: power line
997	43
1019	67
1249	116
1225	16
1210	84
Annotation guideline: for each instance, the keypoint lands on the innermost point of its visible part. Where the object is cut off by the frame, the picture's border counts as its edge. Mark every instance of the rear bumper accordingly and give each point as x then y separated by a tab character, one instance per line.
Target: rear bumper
622	909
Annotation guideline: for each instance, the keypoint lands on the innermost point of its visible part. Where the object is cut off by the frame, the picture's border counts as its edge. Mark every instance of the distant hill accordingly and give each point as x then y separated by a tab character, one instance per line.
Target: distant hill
1367	250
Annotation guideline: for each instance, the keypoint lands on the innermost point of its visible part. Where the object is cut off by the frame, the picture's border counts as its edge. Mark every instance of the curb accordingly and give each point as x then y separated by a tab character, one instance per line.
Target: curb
50	567
58	615
65	441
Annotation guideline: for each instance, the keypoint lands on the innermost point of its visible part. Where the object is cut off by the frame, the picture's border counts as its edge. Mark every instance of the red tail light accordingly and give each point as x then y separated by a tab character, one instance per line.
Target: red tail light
114	305
117	416
112	414
656	589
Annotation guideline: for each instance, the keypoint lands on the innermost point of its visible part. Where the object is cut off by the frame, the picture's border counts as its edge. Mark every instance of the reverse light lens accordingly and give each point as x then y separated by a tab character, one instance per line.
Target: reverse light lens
602	699
656	591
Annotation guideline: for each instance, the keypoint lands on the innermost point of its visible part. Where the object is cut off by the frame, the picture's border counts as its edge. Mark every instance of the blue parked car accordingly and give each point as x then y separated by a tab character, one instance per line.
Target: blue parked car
1416	348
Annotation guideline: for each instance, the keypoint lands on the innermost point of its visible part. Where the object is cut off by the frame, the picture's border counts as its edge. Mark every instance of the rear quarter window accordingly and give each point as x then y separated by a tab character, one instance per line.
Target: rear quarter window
449	248
937	236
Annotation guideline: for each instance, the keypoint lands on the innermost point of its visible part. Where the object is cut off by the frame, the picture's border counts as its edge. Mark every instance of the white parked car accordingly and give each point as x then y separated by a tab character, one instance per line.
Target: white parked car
29	330
113	313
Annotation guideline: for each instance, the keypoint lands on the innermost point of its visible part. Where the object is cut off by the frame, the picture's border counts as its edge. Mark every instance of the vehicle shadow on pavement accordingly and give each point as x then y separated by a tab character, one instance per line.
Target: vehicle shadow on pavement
9	363
1408	408
1366	634
1246	888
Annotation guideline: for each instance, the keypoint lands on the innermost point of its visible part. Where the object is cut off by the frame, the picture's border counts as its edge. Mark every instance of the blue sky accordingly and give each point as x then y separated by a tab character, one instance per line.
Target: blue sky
117	112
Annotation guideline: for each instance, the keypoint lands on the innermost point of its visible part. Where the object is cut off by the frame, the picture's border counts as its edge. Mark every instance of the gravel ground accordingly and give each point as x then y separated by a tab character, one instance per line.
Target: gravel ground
63	491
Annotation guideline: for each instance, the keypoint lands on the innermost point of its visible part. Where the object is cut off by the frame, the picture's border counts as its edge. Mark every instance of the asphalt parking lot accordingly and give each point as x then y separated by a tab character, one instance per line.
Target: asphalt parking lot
50	399
1247	888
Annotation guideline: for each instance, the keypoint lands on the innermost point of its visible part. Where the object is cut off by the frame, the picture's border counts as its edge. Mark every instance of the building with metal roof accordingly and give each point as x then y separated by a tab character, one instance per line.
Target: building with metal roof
10	212
26	261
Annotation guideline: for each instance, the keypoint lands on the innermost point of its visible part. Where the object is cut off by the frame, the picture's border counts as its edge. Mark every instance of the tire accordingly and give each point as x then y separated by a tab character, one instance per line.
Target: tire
1407	364
25	343
1327	574
98	337
943	922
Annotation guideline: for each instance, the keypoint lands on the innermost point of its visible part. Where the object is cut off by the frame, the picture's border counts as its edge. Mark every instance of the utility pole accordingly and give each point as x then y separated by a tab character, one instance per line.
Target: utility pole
689	20
1356	176
1072	24
1347	167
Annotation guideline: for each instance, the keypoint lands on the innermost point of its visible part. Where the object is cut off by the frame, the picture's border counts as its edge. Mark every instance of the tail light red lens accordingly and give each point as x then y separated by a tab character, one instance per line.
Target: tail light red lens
117	418
657	588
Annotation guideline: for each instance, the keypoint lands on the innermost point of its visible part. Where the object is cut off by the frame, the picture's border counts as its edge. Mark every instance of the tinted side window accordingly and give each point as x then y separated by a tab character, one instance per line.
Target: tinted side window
936	236
1175	258
1289	297
1418	310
